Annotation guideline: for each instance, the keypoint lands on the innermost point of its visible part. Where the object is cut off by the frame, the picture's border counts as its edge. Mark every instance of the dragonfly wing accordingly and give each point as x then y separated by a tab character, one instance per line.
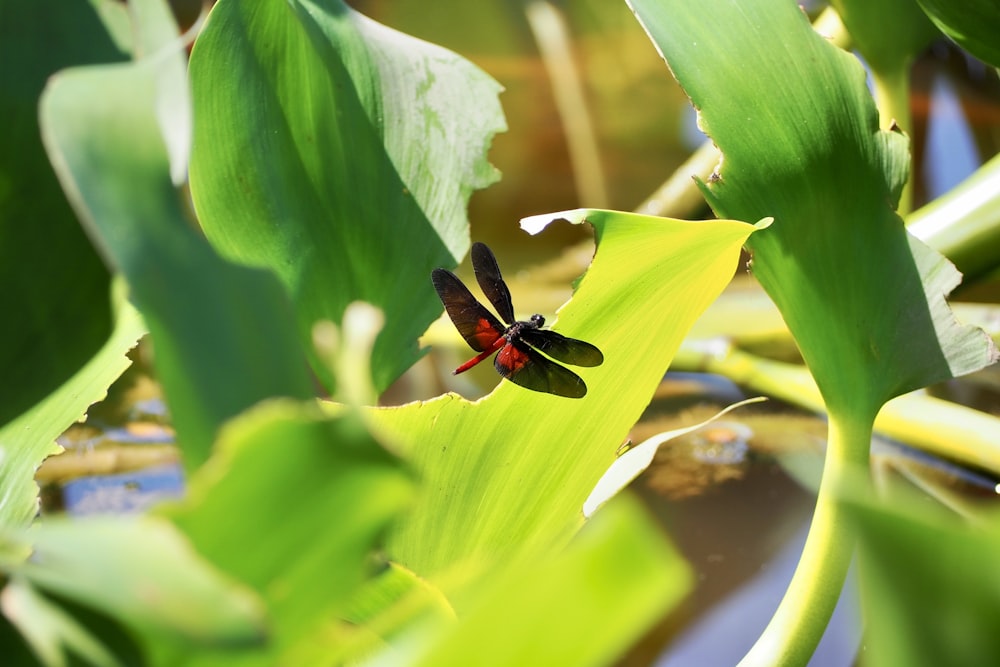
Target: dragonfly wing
491	282
566	350
521	365
478	326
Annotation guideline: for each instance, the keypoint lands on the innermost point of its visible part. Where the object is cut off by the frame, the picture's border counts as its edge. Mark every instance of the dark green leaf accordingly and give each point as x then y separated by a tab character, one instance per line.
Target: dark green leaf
340	154
54	293
31	437
973	24
224	335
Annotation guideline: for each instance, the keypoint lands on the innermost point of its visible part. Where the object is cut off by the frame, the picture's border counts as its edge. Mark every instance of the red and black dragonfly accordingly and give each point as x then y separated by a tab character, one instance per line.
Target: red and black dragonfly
518	343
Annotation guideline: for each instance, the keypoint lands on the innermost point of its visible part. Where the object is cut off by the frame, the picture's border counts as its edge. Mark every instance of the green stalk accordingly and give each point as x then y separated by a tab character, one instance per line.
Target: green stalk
964	224
552	37
892	96
934	425
801	619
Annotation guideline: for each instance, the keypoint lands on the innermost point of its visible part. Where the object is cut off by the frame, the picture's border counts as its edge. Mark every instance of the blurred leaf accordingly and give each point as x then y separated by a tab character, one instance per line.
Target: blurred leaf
55	288
13	645
223	335
798	129
380	619
972	24
31	437
292	504
583	605
930	587
142	571
50	630
341	154
508	474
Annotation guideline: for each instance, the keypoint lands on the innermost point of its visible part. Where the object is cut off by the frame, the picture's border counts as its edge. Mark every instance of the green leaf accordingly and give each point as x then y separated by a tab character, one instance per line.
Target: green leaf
223	334
931	587
340	154
798	130
31	437
55	288
142	571
972	24
508	474
292	504
583	605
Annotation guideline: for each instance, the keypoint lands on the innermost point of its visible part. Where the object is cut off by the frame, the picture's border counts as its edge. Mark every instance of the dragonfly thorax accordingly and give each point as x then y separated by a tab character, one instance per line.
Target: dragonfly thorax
514	331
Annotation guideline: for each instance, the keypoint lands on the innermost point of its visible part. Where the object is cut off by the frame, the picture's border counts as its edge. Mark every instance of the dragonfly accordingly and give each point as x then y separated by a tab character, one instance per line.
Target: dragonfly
523	348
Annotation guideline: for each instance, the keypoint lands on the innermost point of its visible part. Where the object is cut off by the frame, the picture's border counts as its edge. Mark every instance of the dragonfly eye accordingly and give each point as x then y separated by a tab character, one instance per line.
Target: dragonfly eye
538	320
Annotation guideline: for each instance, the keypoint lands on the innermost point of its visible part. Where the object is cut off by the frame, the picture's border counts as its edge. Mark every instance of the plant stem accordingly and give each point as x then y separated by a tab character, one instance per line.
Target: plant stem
679	194
552	37
892	95
934	425
800	620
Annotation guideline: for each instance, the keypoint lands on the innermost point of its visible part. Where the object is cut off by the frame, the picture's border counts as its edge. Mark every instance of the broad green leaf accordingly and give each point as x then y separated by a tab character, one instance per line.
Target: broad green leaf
583	605
930	586
31	437
972	24
224	335
292	504
54	294
340	154
142	571
798	130
509	473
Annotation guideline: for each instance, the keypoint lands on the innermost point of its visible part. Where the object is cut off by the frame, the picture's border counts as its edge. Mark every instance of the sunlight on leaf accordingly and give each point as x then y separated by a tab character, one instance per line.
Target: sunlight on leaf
119	565
305	552
509	473
583	605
